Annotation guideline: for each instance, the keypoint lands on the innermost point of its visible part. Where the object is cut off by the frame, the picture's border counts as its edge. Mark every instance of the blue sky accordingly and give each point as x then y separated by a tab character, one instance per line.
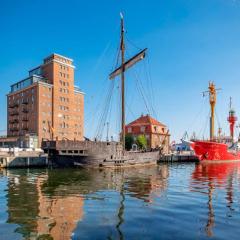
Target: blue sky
189	43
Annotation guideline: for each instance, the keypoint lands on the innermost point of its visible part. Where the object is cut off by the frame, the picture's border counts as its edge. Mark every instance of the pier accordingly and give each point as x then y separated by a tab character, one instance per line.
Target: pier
181	157
23	159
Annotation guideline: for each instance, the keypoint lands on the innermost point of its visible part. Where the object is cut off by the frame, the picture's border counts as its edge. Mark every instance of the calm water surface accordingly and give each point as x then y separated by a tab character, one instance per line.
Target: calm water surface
178	201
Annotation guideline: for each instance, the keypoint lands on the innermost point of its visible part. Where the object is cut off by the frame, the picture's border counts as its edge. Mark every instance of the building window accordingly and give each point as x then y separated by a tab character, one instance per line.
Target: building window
142	129
129	130
155	128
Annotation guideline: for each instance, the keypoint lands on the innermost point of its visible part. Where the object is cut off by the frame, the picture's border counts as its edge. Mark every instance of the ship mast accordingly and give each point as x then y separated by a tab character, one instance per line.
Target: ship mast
123	82
121	71
212	101
212	91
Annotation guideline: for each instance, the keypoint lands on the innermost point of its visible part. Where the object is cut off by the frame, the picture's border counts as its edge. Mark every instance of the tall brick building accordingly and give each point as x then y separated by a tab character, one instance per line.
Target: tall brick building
155	132
47	103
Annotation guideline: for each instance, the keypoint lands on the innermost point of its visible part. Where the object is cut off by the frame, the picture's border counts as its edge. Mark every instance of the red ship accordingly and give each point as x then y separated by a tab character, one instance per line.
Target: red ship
214	149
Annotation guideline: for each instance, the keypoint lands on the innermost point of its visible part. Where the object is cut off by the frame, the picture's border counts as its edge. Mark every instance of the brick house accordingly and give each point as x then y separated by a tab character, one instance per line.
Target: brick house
47	103
155	132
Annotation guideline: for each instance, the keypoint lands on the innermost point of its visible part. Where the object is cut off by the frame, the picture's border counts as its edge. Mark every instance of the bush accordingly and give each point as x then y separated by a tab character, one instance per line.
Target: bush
128	142
141	142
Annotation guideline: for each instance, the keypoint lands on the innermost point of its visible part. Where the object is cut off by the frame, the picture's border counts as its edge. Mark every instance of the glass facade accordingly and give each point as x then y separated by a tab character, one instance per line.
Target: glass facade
26	82
35	71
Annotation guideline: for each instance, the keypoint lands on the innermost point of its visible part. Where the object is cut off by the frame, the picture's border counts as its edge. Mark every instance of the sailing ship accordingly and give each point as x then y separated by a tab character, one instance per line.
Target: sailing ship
98	153
216	149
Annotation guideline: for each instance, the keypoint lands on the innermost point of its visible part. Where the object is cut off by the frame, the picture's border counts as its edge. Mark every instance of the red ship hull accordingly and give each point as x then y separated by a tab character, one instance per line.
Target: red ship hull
214	151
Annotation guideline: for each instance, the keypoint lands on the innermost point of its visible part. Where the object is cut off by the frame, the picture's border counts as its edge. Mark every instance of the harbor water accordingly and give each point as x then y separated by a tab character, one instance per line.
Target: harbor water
168	201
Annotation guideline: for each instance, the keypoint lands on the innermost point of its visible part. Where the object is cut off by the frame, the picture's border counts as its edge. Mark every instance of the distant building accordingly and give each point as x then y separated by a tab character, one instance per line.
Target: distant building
155	132
46	103
26	141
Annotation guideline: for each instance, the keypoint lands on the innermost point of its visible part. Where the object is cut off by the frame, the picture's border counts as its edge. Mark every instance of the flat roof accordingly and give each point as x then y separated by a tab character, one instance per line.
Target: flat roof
59	55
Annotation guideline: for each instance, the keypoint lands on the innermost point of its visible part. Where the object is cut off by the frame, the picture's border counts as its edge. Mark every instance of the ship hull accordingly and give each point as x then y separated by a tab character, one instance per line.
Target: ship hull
96	154
214	151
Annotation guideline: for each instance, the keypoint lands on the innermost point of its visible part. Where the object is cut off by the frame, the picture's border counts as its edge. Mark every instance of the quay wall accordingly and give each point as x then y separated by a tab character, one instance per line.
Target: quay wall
7	161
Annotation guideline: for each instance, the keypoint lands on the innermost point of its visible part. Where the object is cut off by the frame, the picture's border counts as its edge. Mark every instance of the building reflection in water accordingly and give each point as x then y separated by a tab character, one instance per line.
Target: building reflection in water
49	204
215	176
39	214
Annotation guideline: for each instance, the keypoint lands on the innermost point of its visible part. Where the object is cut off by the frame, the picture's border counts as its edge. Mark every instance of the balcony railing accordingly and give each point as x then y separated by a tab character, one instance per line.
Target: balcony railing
25	119
13	105
14	113
25	128
25	110
13	121
14	129
25	101
27	82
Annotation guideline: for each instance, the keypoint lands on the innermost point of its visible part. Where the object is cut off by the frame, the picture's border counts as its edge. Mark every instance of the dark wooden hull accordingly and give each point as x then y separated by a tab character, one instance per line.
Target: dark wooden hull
98	154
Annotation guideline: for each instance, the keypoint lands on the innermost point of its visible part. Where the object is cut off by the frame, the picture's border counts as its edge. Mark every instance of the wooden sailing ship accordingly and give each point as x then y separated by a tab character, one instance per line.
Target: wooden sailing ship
104	154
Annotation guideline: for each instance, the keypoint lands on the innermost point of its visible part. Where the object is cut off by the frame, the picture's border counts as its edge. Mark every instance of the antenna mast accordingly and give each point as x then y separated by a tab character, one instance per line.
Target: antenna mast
231	119
212	101
212	91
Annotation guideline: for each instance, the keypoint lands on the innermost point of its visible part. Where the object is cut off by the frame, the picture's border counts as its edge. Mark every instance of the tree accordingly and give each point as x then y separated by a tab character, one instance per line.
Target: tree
128	142
141	142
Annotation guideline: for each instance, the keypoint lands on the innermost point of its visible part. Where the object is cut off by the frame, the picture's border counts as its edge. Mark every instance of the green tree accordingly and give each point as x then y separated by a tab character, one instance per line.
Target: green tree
128	141
141	142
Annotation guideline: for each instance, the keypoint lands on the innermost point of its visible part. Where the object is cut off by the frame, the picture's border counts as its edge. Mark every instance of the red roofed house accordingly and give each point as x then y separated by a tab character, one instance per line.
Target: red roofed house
155	132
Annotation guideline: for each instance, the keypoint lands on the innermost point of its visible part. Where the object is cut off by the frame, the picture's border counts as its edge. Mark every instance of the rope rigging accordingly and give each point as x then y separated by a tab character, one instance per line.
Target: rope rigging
103	113
149	100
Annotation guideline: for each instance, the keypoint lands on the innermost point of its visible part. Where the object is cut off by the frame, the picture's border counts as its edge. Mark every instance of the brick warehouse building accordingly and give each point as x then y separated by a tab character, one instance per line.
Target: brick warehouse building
47	103
154	131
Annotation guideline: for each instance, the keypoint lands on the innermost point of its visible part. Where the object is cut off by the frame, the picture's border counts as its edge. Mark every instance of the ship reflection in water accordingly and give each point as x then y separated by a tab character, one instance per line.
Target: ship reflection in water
219	178
175	201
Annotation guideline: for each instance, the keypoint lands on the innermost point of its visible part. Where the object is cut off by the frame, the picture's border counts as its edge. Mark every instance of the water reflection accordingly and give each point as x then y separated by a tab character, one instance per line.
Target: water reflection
49	204
214	176
169	201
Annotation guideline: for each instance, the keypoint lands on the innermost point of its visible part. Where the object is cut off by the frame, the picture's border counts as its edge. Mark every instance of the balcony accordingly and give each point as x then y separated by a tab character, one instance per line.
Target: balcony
25	119
25	128
25	110
14	129
13	105
14	113
13	121
25	102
